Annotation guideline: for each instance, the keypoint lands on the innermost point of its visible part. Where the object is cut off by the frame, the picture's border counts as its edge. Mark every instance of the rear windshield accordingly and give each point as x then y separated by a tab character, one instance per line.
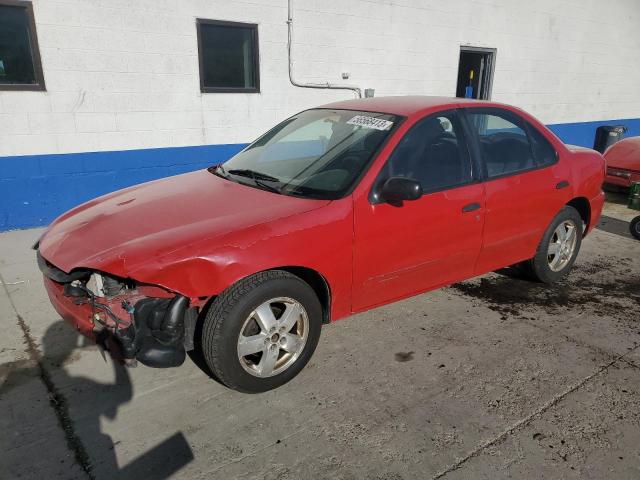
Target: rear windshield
318	153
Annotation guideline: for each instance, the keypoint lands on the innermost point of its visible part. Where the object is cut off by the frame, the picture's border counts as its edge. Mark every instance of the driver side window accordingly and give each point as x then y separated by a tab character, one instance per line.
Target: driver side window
434	153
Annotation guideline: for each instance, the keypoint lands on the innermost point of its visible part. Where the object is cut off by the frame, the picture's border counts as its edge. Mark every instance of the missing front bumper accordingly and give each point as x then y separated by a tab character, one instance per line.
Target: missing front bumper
156	335
142	323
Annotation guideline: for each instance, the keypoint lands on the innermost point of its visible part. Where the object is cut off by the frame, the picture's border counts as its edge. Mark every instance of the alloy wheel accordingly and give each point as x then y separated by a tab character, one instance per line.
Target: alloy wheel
273	336
562	245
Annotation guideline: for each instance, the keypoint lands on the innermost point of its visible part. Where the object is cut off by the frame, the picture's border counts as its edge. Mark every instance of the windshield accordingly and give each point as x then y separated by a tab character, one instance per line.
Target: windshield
317	154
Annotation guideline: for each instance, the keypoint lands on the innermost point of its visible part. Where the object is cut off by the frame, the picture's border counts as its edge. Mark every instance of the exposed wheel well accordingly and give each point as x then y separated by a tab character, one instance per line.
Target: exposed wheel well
315	280
581	204
319	285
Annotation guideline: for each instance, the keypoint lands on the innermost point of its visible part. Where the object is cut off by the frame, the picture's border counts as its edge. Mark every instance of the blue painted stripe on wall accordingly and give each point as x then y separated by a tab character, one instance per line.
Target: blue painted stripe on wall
584	133
37	188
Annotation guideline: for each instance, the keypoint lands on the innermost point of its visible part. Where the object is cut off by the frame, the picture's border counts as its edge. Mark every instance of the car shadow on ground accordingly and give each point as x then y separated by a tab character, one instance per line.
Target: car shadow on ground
80	404
614	225
617	195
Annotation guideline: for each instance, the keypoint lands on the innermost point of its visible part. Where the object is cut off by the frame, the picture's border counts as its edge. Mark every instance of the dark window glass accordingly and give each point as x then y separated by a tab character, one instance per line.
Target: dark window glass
228	56
19	58
543	151
504	145
433	152
318	153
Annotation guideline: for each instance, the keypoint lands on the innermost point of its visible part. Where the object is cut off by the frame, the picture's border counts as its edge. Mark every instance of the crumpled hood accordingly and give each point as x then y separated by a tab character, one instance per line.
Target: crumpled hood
121	231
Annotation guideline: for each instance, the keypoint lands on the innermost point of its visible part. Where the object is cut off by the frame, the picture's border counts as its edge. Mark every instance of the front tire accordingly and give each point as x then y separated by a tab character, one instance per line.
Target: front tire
260	332
634	227
558	248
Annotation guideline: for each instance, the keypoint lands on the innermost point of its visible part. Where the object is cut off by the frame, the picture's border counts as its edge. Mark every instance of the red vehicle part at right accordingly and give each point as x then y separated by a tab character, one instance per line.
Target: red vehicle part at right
623	162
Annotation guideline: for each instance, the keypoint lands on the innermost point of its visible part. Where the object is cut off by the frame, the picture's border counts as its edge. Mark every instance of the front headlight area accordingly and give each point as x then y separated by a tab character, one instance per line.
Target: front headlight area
113	300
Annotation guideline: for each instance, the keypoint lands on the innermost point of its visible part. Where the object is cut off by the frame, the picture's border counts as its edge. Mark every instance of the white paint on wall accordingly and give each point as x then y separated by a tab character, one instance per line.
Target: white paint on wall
124	75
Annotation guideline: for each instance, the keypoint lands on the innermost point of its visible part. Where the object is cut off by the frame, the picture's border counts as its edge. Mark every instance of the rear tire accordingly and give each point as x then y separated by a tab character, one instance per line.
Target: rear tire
634	227
558	248
260	332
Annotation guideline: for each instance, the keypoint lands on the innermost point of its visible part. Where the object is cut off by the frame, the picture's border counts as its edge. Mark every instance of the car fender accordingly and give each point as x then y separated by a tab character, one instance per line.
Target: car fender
320	240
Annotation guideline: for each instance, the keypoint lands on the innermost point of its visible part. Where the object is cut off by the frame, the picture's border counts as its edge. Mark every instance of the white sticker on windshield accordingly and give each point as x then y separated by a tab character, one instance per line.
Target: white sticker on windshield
370	122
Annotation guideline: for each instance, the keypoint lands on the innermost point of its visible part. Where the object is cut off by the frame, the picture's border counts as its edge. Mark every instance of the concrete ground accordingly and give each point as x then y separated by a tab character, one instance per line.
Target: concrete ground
491	378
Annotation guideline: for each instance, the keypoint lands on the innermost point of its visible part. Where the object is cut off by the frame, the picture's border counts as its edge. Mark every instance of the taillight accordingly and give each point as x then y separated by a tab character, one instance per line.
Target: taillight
617	172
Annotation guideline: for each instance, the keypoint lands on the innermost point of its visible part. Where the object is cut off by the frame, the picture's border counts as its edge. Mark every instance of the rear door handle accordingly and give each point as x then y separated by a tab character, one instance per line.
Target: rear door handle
471	207
562	184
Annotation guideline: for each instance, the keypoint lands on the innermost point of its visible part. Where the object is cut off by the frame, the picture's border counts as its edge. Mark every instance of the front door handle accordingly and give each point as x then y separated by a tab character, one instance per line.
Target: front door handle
471	207
562	184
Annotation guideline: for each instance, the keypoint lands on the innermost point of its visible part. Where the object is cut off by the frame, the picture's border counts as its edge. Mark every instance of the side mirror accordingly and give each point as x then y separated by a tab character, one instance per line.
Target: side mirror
398	189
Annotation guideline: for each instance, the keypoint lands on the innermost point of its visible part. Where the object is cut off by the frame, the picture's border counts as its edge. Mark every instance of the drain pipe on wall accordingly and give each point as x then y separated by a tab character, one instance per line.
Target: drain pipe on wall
327	85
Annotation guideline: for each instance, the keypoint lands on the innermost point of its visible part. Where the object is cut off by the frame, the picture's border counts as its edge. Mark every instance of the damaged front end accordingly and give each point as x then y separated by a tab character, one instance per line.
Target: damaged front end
134	321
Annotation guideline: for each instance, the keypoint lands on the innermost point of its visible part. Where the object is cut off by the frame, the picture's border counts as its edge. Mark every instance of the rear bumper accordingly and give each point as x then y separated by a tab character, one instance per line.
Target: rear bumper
618	181
621	177
596	203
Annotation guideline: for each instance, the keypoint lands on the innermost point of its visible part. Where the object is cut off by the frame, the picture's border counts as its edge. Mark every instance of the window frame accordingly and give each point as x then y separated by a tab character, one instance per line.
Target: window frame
256	56
529	127
39	86
476	174
519	122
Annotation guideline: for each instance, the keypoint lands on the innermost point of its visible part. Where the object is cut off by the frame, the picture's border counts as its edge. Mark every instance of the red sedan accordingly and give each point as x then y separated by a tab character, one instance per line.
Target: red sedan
623	162
334	211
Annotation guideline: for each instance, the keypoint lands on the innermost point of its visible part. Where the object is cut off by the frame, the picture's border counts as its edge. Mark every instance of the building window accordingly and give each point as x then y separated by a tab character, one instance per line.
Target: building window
20	67
228	55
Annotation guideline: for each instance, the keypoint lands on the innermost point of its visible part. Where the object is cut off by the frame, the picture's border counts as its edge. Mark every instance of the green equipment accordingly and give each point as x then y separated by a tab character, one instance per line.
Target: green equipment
634	204
634	196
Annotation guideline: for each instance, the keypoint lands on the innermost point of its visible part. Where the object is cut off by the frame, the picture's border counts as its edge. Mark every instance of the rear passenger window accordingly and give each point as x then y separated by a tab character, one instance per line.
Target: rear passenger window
504	145
543	151
433	152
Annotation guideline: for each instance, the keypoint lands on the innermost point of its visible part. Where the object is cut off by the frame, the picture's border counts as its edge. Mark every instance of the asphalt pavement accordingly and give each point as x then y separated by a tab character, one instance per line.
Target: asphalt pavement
492	378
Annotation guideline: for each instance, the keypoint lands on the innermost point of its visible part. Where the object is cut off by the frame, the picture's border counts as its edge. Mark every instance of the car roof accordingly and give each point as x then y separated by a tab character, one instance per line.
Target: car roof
405	105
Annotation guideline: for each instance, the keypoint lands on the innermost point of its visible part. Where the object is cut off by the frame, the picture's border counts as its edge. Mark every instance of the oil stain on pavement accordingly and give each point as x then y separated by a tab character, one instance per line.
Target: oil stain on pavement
403	356
606	287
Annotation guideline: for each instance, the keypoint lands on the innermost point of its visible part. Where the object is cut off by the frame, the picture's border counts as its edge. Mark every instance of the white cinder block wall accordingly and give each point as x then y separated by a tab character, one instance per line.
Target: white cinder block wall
124	75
